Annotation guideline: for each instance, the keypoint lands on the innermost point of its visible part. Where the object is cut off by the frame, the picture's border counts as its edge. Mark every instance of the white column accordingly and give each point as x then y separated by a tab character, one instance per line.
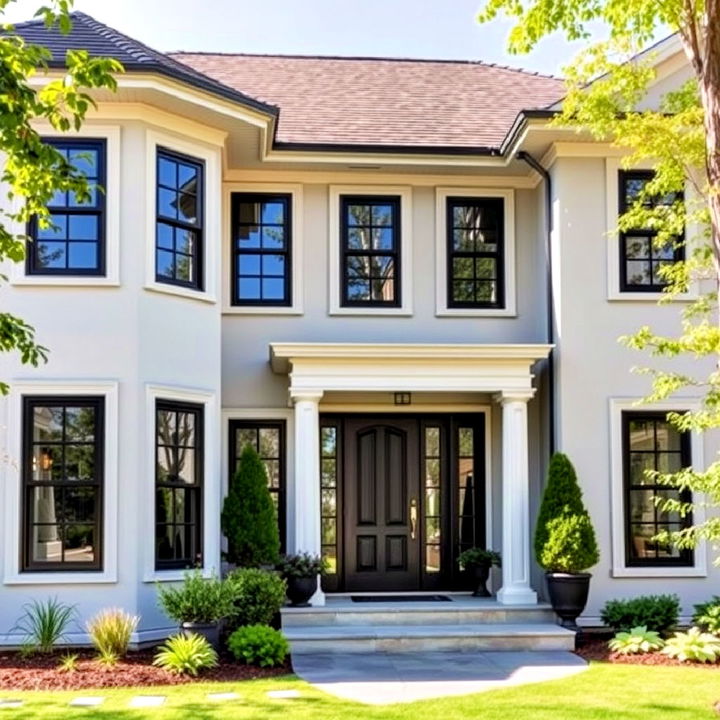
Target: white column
516	588
307	476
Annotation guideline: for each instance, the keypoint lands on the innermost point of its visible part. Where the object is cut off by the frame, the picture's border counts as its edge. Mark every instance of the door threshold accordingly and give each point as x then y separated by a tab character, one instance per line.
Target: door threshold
381	593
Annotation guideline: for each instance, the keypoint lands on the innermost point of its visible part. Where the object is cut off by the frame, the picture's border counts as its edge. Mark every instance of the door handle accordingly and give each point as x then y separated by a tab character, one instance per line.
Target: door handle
413	518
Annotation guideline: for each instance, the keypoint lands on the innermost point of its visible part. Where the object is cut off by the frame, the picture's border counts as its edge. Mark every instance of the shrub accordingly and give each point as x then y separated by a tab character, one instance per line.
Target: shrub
68	663
303	565
693	646
638	640
189	654
110	632
248	517
478	557
45	623
564	537
197	600
707	615
256	596
655	612
258	645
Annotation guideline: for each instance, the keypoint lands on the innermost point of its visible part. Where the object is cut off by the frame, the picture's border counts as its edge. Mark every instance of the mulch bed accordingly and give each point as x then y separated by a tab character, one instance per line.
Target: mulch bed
596	649
40	672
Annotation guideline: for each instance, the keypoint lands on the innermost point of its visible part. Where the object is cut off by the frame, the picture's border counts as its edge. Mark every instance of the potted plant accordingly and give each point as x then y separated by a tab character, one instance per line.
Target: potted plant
198	605
301	574
565	543
248	519
478	562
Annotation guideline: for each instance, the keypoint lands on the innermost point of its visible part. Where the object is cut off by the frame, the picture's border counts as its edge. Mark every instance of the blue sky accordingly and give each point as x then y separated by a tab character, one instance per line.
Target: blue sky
394	28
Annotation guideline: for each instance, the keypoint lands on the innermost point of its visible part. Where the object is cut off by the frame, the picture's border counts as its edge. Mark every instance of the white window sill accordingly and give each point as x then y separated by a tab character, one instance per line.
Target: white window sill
60	578
652	297
260	310
659	572
64	281
372	312
178	291
479	313
173	575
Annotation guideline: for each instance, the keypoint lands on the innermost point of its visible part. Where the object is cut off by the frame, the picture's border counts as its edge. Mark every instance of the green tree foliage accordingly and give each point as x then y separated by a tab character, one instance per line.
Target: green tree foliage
680	139
564	536
248	516
34	171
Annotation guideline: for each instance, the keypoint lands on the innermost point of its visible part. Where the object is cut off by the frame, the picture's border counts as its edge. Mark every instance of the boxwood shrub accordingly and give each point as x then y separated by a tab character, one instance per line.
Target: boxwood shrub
655	612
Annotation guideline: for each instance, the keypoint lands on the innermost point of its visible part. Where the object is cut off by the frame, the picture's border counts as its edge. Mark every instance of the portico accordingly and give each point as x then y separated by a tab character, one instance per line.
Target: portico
318	372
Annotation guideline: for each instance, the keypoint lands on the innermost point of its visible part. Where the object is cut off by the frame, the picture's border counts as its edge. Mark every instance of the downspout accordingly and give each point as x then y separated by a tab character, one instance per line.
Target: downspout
550	329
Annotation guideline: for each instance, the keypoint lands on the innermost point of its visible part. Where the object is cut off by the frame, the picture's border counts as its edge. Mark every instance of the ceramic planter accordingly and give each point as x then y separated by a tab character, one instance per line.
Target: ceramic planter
480	575
301	589
568	594
210	631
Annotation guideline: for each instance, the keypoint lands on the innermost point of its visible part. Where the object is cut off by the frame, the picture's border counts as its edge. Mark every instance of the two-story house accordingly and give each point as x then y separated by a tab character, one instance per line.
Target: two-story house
391	277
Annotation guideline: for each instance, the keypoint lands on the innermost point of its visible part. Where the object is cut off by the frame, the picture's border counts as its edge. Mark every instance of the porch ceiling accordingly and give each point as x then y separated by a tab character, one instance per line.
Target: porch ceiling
315	368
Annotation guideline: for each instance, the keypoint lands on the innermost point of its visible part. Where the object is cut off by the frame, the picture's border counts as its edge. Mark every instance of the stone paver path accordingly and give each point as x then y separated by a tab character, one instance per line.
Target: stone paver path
87	701
142	701
7	703
283	694
221	696
384	678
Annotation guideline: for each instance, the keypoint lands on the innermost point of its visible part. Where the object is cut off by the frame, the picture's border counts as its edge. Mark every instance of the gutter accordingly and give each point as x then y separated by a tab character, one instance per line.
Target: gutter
550	327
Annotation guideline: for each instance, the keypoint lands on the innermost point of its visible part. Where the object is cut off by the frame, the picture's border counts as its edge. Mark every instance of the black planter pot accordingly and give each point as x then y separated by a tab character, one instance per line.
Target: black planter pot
568	596
210	631
301	589
480	575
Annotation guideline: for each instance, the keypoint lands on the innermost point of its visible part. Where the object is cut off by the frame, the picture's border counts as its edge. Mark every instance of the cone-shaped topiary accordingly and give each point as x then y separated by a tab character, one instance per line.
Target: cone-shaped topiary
564	538
248	516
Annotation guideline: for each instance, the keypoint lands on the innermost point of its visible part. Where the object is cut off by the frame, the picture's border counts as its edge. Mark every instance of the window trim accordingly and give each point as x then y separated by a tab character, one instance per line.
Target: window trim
612	236
442	308
211	208
620	566
211	487
110	135
14	488
405	277
236	198
396	253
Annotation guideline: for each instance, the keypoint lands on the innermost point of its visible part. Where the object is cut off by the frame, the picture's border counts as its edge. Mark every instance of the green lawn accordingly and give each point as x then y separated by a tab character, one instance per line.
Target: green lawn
604	691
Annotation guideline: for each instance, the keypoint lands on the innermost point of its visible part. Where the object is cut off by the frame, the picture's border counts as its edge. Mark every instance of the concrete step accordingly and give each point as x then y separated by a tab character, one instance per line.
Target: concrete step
428	638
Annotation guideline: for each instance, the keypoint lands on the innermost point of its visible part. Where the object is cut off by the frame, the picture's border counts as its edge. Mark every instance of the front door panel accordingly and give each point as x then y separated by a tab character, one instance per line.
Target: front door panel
381	511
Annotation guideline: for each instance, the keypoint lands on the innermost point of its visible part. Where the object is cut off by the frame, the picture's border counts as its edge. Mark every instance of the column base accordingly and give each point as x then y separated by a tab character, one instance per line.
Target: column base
517	596
318	599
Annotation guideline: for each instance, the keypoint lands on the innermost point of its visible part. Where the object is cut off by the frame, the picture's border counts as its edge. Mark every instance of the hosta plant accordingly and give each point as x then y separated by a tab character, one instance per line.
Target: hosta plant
189	654
693	646
638	640
707	616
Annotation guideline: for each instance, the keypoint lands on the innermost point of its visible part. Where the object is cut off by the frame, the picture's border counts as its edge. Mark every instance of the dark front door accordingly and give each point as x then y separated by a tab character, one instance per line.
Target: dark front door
382	513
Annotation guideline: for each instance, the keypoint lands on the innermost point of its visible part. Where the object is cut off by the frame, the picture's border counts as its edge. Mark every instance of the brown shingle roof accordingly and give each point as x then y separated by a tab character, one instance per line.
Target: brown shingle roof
383	102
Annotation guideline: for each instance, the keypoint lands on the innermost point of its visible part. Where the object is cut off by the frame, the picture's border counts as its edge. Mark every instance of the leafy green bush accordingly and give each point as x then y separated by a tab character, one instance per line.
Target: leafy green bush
186	654
303	565
256	596
45	623
259	645
564	537
479	557
693	646
655	612
707	615
110	632
638	640
197	600
248	517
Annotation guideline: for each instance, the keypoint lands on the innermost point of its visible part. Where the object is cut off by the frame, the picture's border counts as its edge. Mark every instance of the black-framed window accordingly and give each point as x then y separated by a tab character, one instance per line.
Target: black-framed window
640	259
62	477
262	249
179	453
475	252
650	442
179	229
370	251
74	244
267	438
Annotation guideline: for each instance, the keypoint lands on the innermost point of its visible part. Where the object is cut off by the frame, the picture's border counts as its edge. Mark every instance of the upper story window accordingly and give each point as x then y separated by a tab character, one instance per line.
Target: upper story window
370	251
62	480
475	252
650	442
75	242
640	259
261	249
180	223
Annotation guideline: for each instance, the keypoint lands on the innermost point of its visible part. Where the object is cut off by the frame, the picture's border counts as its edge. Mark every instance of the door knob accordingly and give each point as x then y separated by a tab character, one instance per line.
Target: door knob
413	518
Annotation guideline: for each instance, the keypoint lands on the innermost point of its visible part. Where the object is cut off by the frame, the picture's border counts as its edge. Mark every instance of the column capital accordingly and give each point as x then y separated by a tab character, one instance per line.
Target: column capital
507	396
308	395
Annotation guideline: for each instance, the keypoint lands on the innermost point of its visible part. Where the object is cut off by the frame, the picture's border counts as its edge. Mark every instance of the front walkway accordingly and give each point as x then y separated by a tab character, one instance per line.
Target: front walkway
385	678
